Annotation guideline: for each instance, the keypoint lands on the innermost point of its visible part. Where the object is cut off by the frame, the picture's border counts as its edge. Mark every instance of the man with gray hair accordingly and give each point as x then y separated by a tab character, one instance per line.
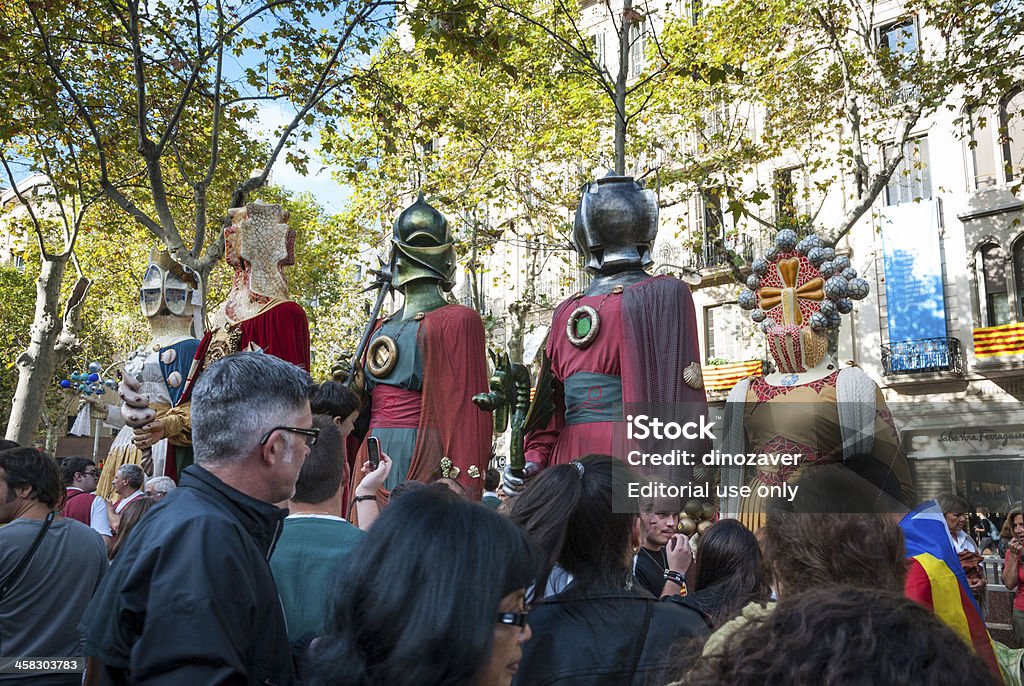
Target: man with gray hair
190	598
159	486
128	480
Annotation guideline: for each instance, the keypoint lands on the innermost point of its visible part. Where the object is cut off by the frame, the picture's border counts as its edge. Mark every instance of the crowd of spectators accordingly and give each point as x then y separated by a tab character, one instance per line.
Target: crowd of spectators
249	571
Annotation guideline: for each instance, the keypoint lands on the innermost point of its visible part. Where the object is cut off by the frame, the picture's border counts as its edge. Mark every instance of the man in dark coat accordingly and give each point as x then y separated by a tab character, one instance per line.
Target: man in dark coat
190	599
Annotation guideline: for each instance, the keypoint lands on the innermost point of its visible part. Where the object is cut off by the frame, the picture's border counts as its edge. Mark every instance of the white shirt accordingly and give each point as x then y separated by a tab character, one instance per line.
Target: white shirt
316	515
124	501
962	542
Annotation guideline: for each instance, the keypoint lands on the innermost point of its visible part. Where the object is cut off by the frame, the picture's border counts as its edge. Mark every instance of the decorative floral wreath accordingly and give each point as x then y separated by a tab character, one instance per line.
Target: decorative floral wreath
801	283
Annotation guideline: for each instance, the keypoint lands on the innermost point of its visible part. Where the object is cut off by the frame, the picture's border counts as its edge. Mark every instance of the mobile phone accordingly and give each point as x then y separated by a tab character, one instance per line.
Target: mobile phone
373	451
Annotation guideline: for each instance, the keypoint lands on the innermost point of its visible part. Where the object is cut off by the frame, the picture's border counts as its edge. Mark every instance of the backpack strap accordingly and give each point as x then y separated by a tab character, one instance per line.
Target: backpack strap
8	581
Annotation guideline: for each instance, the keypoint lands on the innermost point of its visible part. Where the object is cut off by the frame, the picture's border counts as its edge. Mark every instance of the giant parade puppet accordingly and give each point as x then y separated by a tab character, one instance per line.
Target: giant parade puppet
160	366
808	406
257	315
629	338
422	365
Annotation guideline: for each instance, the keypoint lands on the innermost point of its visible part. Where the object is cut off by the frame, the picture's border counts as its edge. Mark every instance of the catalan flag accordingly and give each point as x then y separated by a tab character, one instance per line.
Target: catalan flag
719	377
936	579
1007	339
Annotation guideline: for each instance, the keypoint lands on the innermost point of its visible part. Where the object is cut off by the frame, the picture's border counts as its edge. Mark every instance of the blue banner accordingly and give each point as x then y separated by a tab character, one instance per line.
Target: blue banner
913	281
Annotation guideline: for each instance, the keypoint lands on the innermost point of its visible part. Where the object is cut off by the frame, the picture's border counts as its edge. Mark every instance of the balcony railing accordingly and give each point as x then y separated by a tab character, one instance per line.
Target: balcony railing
705	256
921	356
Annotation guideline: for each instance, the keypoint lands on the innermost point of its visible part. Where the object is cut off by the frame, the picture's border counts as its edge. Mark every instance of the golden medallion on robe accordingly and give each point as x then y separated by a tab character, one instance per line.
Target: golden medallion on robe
382	356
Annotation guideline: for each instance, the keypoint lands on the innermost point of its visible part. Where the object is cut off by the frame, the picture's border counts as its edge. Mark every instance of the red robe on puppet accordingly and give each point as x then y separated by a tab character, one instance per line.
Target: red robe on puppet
647	337
452	347
281	330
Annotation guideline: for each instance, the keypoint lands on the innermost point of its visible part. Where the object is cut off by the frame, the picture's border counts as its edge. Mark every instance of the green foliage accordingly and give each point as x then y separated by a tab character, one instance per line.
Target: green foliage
499	143
16	306
815	84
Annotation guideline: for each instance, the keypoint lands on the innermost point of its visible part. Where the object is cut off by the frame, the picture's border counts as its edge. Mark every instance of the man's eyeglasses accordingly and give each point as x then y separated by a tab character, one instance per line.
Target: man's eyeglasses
310	434
91	472
513	618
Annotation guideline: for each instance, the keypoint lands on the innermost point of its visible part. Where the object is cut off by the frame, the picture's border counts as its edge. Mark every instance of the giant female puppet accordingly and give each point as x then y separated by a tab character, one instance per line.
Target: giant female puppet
808	406
160	366
257	315
424	363
629	338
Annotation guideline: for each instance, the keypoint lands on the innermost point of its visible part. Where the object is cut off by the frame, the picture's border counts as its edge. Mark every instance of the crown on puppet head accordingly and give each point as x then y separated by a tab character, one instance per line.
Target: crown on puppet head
801	283
163	260
266	244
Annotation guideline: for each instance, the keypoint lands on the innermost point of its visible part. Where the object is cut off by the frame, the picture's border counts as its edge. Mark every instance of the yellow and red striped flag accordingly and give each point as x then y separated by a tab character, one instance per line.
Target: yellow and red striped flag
1007	339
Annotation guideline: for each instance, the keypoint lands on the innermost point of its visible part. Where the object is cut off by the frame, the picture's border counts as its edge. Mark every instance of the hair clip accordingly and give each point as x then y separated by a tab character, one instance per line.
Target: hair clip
579	468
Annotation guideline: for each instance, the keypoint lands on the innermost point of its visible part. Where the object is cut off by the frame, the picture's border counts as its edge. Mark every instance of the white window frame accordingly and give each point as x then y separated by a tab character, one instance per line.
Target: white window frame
912	179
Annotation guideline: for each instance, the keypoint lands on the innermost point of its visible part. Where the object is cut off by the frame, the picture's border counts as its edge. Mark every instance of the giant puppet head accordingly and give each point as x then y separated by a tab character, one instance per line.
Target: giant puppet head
259	243
616	222
422	246
797	293
167	287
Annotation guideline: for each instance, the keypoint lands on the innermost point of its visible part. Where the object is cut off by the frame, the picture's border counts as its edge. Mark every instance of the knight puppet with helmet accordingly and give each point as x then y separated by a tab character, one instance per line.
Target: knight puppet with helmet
161	366
629	338
258	314
422	365
808	406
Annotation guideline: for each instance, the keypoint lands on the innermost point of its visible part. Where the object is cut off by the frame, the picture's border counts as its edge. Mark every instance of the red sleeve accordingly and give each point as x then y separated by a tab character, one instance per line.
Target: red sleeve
540	443
282	331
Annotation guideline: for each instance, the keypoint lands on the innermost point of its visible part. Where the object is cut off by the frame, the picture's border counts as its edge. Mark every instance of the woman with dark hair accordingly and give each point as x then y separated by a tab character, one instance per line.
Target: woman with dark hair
130	516
729	573
843	637
600	630
435	595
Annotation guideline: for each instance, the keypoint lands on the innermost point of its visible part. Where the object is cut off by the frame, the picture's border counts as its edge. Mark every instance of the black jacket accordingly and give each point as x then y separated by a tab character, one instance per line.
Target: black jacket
190	599
604	638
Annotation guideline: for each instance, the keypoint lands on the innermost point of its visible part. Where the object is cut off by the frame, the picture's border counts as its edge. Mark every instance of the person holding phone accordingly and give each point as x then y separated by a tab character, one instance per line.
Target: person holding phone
374	473
1013	575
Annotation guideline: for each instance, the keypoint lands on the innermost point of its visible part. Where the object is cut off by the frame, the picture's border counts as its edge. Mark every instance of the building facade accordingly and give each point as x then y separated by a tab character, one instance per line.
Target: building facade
943	247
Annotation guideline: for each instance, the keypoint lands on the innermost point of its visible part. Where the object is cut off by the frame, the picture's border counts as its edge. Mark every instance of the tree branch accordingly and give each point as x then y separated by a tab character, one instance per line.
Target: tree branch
28	206
878	183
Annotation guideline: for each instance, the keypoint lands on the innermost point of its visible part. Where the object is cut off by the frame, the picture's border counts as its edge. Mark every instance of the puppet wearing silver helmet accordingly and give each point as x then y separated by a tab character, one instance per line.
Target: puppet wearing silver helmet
629	338
616	223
